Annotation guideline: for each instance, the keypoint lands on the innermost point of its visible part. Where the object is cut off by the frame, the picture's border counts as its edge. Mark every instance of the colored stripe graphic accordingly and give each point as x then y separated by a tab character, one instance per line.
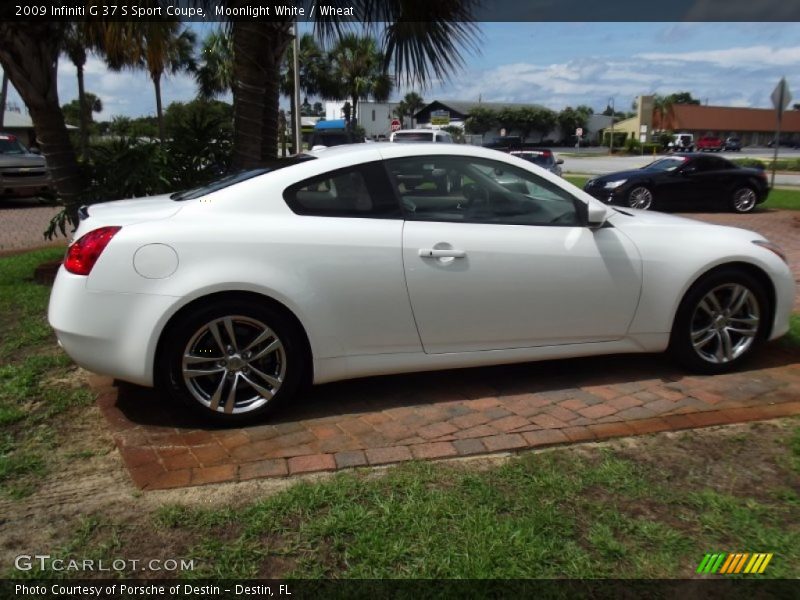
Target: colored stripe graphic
737	562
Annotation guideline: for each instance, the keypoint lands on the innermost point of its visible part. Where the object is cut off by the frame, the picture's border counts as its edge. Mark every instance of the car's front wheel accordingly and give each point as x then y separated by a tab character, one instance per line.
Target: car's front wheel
640	197
720	322
232	363
744	199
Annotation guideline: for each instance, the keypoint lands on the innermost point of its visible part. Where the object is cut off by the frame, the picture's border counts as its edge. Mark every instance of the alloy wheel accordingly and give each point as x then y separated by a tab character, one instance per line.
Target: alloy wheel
640	197
234	364
744	200
725	323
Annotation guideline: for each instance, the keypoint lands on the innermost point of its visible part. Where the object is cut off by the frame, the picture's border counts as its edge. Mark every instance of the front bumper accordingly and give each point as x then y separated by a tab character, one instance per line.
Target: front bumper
107	332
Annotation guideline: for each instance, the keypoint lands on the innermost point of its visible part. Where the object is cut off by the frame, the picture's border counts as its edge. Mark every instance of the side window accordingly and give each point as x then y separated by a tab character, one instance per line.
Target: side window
359	191
475	190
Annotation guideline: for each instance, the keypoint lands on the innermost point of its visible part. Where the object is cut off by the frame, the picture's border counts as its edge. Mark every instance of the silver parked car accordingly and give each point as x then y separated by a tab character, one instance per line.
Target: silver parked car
541	157
22	172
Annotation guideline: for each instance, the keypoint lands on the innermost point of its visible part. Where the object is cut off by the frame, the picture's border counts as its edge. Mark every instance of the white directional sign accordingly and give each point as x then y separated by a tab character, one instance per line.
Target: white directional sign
781	96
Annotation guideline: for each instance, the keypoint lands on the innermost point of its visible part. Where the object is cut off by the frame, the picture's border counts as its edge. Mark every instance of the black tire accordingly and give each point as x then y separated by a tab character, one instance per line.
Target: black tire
192	333
641	197
691	321
744	199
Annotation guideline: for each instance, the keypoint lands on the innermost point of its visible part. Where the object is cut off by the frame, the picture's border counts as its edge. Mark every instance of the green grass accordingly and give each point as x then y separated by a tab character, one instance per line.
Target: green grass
553	514
779	198
29	406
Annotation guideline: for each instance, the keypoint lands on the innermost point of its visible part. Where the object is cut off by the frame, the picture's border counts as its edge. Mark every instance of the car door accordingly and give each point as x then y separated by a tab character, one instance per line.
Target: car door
504	260
702	177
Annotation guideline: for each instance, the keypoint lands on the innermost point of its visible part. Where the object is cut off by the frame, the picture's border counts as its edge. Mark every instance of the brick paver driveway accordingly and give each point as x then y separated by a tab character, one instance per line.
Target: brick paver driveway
22	224
383	420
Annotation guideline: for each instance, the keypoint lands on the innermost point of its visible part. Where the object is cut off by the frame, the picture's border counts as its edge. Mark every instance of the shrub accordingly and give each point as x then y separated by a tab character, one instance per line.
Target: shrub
652	148
632	145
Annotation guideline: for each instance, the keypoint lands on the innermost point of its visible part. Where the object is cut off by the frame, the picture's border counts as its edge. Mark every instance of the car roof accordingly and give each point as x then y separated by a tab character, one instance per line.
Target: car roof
388	149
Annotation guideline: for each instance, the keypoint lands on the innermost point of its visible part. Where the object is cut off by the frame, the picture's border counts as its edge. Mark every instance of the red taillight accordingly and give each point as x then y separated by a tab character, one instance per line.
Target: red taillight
82	255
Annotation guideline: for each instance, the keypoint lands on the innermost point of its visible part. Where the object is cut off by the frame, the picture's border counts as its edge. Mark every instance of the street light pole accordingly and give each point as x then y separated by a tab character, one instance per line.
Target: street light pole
611	143
295	63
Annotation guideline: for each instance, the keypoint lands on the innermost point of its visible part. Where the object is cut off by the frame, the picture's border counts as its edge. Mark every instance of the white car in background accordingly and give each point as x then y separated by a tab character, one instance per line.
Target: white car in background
415	136
230	296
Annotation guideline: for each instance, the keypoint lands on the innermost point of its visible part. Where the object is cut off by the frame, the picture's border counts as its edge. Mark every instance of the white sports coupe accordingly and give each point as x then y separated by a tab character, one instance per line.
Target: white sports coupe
372	259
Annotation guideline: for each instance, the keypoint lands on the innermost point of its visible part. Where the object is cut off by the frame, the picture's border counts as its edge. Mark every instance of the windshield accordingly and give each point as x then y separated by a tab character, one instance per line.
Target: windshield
421	136
235	178
665	164
10	145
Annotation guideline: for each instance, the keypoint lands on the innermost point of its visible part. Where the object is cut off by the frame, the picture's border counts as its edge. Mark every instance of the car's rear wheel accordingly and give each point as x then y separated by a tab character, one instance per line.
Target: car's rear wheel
640	197
232	363
720	322
744	199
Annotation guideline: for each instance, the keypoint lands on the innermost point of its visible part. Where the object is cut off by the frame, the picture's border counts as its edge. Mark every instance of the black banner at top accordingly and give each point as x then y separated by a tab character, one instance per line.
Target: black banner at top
376	10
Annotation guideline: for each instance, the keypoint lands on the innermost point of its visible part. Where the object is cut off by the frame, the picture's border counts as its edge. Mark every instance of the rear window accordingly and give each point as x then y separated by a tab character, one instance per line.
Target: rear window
416	136
10	145
238	177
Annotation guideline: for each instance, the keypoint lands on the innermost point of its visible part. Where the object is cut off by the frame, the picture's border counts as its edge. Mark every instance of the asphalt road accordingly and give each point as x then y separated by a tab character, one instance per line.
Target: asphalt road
593	164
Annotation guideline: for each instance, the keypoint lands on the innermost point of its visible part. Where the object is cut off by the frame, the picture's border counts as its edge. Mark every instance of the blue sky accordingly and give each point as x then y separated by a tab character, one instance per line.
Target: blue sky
556	64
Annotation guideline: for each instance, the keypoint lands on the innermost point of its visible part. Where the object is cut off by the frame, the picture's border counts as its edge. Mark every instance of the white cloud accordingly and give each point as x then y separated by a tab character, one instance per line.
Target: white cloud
758	56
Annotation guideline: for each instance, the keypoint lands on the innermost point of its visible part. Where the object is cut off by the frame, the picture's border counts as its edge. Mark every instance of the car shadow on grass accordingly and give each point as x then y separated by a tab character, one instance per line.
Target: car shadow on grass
557	380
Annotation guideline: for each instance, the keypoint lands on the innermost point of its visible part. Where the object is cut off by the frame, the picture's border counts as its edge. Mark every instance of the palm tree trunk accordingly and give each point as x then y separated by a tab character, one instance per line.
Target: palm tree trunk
159	110
29	54
259	49
84	119
3	96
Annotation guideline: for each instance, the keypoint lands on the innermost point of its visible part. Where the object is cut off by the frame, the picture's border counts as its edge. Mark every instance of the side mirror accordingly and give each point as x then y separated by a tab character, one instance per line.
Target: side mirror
597	215
560	161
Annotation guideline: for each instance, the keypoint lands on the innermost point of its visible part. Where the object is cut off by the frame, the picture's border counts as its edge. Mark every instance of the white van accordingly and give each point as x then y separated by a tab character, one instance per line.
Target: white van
405	136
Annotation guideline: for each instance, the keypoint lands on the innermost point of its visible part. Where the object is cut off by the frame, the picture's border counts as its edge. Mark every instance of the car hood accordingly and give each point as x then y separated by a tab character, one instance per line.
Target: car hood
127	212
618	175
631	220
21	160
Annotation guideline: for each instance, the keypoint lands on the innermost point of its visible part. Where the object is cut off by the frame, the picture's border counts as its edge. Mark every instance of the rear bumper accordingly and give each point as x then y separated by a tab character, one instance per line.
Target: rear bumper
785	291
106	332
25	186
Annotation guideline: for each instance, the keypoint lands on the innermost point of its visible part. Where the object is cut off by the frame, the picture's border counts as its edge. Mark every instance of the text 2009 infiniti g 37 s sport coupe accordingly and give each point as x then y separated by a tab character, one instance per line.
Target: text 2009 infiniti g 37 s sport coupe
351	261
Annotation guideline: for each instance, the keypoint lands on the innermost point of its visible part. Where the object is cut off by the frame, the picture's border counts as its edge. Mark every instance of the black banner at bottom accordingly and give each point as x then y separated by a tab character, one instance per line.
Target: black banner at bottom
416	589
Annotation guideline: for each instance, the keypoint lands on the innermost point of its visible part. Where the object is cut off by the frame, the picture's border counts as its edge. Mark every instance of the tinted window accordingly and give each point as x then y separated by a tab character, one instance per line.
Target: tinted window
417	136
454	188
352	192
710	163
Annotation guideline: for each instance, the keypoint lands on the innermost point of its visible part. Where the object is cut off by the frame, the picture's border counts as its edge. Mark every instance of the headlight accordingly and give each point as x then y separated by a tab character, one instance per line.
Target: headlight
610	185
772	248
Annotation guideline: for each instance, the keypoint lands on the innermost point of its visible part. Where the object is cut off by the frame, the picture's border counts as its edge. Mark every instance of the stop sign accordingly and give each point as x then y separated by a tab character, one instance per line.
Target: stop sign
395	124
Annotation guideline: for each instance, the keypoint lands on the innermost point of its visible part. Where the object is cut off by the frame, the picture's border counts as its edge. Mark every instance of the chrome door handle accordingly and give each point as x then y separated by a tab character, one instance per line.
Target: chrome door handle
445	253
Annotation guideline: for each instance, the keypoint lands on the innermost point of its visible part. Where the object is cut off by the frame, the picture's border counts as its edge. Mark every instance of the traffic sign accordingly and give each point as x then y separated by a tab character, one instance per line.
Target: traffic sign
395	124
781	96
579	131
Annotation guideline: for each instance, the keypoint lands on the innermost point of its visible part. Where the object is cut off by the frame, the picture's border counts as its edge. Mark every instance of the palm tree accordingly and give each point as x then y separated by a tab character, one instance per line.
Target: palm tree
158	46
313	73
75	45
422	41
29	56
358	71
215	72
409	106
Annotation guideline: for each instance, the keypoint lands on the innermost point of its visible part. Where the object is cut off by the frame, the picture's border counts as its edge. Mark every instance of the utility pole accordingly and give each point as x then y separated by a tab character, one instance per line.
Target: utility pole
296	65
611	143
